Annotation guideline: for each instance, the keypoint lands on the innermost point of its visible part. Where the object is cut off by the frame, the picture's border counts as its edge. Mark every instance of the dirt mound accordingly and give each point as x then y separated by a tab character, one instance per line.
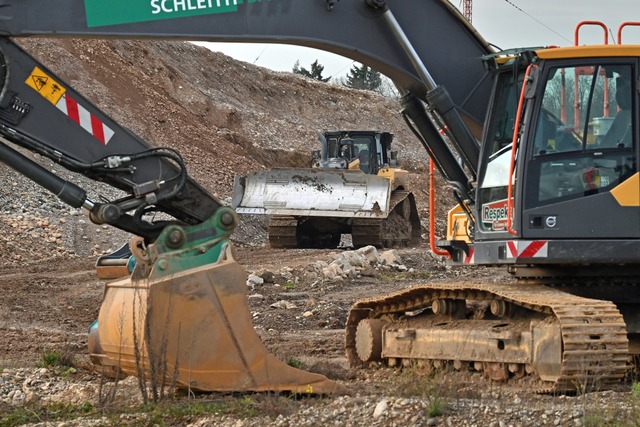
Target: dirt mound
224	116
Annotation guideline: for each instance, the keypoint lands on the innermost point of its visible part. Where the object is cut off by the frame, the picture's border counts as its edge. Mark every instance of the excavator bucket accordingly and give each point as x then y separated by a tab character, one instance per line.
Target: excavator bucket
313	192
183	319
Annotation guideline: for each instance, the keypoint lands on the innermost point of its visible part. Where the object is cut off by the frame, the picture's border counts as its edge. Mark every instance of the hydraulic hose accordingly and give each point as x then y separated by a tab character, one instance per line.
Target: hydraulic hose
66	191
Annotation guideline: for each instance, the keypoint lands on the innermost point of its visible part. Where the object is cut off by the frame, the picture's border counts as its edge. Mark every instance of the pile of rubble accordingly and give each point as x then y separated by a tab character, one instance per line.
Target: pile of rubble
347	265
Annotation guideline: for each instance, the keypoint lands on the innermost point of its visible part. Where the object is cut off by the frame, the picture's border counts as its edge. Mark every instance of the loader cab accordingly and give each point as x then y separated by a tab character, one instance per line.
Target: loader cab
575	164
364	150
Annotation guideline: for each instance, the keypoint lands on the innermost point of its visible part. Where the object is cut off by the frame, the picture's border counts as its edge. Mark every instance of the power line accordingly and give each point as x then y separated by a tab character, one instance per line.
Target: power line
260	54
539	22
342	69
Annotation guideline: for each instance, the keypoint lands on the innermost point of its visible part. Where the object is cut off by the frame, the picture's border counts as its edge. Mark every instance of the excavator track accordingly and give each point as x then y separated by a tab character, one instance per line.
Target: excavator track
592	349
283	232
400	228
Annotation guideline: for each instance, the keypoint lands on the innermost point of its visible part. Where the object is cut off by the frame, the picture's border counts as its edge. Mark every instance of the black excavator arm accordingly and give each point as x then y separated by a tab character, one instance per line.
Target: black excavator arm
403	40
40	112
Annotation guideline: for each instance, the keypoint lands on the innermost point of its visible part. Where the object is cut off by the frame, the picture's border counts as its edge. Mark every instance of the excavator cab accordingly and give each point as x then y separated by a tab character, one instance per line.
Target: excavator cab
559	157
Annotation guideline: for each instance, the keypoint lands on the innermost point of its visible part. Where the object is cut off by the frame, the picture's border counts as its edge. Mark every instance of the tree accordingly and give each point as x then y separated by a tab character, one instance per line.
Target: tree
315	73
363	77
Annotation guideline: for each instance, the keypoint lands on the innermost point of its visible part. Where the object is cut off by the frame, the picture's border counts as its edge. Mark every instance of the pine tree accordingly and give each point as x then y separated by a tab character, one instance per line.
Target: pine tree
363	77
315	73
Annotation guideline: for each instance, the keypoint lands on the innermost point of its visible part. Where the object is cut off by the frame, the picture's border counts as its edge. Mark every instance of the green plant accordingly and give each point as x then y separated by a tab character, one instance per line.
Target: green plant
414	383
41	414
166	413
244	407
295	363
437	405
289	286
635	390
52	358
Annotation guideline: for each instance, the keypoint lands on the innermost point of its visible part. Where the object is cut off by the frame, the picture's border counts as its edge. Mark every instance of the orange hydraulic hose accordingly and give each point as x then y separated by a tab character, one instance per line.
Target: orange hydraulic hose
516	132
432	213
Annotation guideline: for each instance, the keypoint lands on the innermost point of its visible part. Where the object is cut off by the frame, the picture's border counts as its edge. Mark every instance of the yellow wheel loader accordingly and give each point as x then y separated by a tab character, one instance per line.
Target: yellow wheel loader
354	187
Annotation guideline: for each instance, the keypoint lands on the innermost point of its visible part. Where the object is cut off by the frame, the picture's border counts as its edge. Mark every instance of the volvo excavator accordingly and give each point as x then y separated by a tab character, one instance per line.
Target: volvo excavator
354	187
539	145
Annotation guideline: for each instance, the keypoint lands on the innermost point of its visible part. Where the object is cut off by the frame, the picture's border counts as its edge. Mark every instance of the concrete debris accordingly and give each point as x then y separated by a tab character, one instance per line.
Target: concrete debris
282	304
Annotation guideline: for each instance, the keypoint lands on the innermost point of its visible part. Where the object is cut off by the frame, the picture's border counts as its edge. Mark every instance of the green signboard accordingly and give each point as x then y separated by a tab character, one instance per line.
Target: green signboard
112	12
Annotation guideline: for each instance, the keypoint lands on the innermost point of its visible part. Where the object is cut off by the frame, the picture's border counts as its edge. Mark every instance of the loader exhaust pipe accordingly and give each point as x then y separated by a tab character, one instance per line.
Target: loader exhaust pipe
324	148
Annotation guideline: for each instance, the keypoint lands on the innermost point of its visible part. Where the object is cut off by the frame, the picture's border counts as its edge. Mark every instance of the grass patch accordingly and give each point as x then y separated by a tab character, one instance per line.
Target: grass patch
411	383
39	414
166	413
56	358
182	412
294	363
437	405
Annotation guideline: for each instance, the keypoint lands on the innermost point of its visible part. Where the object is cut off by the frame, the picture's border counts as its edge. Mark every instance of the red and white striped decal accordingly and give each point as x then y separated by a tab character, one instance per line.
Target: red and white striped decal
469	259
85	119
528	249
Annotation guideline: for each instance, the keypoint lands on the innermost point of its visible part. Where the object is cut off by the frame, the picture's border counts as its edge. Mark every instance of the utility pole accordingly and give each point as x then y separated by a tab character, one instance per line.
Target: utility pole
466	9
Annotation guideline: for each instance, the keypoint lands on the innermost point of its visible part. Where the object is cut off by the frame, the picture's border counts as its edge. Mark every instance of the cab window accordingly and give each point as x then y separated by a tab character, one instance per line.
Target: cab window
583	142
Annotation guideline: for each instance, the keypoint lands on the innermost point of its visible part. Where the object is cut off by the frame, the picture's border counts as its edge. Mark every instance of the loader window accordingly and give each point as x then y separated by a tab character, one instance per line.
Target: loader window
584	138
363	146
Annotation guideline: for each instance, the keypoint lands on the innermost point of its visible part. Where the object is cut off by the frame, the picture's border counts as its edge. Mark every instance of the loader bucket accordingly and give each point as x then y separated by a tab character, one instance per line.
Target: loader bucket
188	324
313	192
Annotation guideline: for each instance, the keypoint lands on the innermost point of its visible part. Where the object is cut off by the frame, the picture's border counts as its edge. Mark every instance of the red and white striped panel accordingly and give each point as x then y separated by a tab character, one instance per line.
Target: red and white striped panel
470	259
528	249
84	118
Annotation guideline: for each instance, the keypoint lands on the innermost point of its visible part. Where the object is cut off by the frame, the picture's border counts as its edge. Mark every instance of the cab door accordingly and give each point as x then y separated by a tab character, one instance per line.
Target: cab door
580	177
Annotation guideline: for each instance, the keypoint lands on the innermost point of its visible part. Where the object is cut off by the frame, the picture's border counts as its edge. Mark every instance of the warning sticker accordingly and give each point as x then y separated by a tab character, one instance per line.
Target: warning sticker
45	85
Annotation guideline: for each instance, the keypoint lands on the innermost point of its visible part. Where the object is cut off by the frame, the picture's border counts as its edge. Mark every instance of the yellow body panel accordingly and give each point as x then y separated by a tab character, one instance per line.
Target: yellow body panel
397	177
457	224
628	193
596	51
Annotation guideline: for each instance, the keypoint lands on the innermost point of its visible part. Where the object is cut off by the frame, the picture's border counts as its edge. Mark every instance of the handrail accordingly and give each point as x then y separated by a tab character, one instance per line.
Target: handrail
598	23
625	24
576	107
516	133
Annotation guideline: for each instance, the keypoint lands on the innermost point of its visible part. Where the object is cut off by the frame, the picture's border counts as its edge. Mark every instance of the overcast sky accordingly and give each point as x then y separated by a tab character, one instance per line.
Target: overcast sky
539	23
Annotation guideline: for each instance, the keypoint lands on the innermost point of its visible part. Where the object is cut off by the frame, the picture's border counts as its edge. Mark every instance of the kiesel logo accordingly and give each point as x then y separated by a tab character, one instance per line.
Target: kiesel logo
495	214
113	12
